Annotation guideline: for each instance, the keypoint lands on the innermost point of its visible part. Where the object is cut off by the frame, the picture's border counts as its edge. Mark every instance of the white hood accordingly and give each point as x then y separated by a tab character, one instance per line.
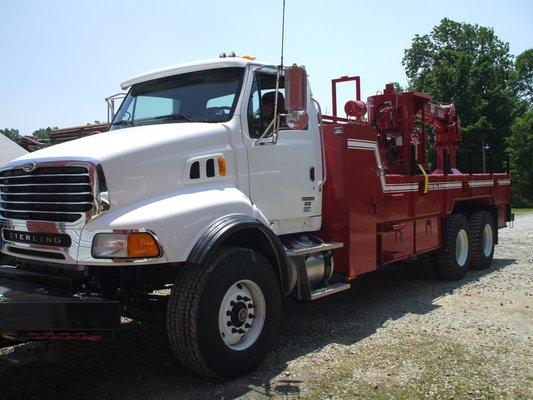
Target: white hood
139	162
120	142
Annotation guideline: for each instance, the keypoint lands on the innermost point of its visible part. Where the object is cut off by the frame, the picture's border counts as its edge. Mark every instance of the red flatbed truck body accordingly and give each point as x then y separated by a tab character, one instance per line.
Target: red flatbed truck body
386	217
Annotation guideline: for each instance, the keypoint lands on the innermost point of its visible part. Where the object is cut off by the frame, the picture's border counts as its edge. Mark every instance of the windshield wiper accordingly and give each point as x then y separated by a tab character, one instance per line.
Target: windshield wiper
174	117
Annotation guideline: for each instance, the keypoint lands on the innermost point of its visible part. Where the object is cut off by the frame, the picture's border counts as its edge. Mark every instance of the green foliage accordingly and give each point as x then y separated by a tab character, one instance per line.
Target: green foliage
398	88
44	133
520	149
469	66
524	75
12	134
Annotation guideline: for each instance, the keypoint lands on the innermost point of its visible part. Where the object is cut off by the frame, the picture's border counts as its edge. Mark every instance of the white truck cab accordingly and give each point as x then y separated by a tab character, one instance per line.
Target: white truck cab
183	150
203	184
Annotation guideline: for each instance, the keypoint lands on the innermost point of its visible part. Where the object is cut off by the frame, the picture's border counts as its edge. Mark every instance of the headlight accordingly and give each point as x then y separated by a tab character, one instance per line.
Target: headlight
125	245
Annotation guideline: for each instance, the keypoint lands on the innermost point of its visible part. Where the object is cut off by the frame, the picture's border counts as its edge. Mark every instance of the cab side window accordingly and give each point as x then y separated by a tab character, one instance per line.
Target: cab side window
262	101
254	111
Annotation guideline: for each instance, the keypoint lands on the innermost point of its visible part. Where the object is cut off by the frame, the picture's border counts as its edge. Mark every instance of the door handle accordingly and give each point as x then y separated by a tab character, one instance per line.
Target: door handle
312	173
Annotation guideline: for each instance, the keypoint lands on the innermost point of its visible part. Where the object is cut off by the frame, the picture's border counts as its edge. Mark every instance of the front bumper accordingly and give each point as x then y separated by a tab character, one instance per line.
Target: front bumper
29	308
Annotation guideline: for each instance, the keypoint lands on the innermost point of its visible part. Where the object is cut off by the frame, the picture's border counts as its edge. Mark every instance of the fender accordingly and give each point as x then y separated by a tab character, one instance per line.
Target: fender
225	227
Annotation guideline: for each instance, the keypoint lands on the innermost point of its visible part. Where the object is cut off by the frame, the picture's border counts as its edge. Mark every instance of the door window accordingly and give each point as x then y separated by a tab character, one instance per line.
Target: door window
254	111
261	103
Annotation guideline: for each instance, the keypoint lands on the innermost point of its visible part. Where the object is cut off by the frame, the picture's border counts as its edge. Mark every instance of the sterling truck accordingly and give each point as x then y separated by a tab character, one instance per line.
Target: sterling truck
222	189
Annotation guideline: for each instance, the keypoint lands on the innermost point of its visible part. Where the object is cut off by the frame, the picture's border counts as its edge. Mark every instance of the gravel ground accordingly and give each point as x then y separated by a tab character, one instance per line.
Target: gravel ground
395	335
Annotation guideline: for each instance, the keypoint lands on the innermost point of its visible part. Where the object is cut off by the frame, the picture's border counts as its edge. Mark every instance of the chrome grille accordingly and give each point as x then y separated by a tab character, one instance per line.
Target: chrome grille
49	193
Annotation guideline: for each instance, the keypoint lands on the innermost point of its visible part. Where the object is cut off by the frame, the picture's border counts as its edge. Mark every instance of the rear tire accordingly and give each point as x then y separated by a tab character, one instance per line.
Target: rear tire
222	318
453	258
426	265
482	239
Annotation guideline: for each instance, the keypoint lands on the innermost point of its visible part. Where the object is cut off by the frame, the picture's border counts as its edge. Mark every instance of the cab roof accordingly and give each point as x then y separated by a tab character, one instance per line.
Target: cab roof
188	67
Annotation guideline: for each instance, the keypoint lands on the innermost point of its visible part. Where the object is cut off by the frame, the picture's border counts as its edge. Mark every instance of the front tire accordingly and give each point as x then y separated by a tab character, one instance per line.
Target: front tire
222	318
483	235
453	258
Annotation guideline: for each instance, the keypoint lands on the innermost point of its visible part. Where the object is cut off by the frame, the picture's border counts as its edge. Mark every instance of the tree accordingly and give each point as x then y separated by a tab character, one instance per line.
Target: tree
469	66
398	88
520	150
12	134
44	133
524	75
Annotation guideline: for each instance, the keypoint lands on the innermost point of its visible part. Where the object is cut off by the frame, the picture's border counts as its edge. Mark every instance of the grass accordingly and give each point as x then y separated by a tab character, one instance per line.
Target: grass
408	366
522	211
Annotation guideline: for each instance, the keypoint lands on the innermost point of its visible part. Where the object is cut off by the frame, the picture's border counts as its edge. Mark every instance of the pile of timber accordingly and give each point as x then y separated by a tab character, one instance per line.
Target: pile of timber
76	132
32	143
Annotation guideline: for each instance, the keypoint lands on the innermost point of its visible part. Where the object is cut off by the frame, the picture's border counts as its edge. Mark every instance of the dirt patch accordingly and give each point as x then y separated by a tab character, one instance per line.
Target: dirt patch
395	335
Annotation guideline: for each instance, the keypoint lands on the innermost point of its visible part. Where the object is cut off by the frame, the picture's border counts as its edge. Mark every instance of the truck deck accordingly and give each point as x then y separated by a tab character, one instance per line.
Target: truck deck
392	216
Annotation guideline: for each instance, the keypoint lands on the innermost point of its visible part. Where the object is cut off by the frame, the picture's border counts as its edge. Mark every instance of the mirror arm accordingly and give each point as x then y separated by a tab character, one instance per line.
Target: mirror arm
275	123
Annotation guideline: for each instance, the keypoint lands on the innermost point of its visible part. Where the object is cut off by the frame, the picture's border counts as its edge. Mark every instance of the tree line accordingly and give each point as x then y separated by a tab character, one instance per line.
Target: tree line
468	65
41	134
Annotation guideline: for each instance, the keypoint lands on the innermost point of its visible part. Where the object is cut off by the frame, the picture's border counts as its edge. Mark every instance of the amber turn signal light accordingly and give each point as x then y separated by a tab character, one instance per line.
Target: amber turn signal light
222	169
142	245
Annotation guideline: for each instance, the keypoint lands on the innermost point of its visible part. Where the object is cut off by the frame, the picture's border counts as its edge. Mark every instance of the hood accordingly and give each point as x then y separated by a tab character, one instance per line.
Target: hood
139	162
108	145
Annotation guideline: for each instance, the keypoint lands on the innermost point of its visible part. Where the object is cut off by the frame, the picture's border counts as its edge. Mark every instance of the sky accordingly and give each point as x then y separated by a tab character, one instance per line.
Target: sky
60	59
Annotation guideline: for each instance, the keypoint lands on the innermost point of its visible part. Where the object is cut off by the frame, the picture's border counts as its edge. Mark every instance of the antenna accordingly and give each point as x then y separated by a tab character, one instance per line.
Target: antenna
282	32
280	68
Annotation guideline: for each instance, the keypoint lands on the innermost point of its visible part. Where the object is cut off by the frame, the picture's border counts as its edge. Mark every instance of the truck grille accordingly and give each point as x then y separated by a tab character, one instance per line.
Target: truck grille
57	194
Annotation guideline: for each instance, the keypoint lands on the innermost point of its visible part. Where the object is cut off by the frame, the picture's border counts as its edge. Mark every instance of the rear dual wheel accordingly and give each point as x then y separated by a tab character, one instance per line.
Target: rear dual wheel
483	236
453	259
467	243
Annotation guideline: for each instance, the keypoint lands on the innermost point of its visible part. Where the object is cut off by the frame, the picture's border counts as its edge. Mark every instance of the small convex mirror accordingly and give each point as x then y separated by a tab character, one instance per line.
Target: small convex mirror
296	92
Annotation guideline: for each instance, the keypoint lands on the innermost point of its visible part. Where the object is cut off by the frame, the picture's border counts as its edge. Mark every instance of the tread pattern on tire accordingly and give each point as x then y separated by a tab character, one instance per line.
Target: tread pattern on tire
477	259
182	312
425	264
445	257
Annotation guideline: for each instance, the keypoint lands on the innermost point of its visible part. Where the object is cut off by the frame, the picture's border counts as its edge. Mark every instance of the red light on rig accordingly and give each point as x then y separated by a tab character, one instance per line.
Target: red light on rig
355	109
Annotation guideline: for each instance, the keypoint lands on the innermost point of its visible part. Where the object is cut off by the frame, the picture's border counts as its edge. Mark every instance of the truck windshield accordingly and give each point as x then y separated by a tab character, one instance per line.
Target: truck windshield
201	96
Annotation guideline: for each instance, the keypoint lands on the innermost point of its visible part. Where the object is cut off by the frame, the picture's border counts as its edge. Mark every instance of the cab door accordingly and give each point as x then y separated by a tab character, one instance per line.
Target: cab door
285	177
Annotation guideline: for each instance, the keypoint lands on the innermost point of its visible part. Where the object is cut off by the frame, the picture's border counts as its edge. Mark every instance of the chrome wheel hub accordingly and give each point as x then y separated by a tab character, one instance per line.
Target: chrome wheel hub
487	240
461	248
241	315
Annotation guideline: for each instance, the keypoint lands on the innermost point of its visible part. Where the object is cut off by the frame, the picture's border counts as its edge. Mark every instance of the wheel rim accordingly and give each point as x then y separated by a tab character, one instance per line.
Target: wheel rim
487	240
461	248
242	315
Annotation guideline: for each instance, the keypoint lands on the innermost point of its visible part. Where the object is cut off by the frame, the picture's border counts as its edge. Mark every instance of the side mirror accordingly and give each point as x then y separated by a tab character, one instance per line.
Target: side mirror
296	93
111	105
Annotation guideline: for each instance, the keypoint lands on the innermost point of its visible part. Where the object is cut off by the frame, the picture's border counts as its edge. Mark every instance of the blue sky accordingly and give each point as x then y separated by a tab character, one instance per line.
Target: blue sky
59	59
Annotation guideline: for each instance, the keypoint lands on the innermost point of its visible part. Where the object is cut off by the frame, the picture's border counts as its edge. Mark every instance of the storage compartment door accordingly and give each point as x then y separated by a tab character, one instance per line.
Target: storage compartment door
427	234
397	241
